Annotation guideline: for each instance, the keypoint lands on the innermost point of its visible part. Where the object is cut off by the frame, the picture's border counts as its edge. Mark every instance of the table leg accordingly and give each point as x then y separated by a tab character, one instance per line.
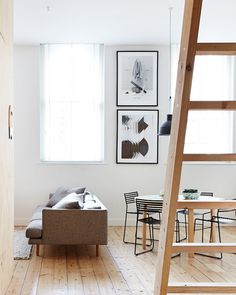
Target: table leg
190	229
144	231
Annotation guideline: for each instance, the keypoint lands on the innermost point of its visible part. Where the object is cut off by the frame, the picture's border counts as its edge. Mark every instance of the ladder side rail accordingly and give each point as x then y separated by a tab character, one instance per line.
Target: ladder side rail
192	14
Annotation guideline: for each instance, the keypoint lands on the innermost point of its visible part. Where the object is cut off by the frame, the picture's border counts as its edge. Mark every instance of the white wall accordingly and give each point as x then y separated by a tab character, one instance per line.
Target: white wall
34	180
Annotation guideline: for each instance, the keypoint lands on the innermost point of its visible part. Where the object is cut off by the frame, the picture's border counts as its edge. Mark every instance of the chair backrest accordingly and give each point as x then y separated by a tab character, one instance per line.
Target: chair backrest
149	206
130	197
208	194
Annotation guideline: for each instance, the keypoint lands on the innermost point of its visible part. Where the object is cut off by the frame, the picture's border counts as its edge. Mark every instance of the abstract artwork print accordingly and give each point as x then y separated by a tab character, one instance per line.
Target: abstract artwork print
137	140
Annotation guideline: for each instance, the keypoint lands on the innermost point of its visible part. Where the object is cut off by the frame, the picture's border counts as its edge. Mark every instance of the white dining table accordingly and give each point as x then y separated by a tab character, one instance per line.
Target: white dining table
203	202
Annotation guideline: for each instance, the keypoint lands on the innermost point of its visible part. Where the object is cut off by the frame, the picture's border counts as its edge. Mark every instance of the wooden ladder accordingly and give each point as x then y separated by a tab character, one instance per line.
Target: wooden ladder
189	48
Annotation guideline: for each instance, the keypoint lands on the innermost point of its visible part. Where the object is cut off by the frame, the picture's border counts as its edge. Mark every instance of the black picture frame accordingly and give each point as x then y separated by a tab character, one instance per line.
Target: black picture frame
137	78
136	136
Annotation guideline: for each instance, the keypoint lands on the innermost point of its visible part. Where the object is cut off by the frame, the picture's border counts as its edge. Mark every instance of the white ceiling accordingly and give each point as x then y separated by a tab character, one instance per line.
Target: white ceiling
117	21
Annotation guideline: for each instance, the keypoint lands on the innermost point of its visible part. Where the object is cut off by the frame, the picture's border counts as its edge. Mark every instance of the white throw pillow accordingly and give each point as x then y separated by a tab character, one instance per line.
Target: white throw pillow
71	201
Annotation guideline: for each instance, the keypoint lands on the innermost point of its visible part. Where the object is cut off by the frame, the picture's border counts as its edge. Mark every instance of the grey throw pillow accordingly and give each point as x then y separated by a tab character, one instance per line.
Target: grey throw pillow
61	192
50	195
77	190
71	201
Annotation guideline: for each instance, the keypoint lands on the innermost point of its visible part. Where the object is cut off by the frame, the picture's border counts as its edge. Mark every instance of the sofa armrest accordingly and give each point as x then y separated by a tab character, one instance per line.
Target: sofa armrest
74	226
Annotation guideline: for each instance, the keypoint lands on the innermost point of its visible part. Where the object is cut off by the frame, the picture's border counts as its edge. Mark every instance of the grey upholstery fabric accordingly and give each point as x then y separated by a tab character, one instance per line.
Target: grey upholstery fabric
70	226
34	229
73	226
61	192
38	212
71	201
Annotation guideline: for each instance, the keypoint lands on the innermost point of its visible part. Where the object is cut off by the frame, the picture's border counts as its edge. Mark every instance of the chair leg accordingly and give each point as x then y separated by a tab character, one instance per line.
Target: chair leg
150	235
219	235
177	237
135	237
125	227
178	240
185	225
212	222
124	232
151	238
37	249
202	231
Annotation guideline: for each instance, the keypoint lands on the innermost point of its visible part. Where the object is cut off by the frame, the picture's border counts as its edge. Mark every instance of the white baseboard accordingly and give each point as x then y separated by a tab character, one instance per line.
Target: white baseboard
21	221
120	222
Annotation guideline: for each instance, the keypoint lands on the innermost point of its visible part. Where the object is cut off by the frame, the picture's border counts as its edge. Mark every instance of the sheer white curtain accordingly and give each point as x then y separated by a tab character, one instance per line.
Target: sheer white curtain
213	79
72	103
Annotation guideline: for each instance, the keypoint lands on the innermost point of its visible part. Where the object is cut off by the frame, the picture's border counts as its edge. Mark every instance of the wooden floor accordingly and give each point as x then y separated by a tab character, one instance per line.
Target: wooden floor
76	269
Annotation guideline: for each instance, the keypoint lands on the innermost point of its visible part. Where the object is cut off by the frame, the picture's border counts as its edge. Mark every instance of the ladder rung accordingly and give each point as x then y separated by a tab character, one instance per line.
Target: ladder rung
204	247
216	48
209	157
202	288
213	105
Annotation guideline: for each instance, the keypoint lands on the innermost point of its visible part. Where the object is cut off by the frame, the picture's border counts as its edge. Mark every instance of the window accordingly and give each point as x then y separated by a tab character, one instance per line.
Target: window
72	103
213	79
211	131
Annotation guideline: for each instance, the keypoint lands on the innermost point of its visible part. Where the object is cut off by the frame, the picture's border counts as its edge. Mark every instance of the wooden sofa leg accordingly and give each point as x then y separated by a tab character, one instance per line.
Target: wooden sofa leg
97	250
37	249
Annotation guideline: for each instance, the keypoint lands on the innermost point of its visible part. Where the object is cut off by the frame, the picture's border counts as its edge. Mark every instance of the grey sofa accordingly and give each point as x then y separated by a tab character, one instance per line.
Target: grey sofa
49	226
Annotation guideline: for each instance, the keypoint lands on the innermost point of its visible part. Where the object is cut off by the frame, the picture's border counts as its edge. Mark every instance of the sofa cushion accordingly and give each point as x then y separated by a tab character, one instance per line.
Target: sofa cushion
38	212
61	192
34	229
71	201
91	205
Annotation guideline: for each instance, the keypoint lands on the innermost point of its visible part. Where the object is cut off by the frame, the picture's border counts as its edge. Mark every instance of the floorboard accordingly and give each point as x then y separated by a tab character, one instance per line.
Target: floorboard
75	270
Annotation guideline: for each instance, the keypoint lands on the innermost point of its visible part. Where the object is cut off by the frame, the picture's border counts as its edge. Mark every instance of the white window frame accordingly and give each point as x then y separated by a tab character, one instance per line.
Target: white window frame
175	55
100	104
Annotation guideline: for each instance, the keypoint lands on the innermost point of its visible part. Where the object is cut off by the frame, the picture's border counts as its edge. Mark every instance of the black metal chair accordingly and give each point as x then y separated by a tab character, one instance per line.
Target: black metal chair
207	219
129	200
212	221
151	208
183	212
201	225
223	219
219	219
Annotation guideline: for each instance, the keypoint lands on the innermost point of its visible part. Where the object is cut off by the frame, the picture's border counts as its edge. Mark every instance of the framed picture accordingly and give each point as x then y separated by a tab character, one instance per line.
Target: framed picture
137	140
137	78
